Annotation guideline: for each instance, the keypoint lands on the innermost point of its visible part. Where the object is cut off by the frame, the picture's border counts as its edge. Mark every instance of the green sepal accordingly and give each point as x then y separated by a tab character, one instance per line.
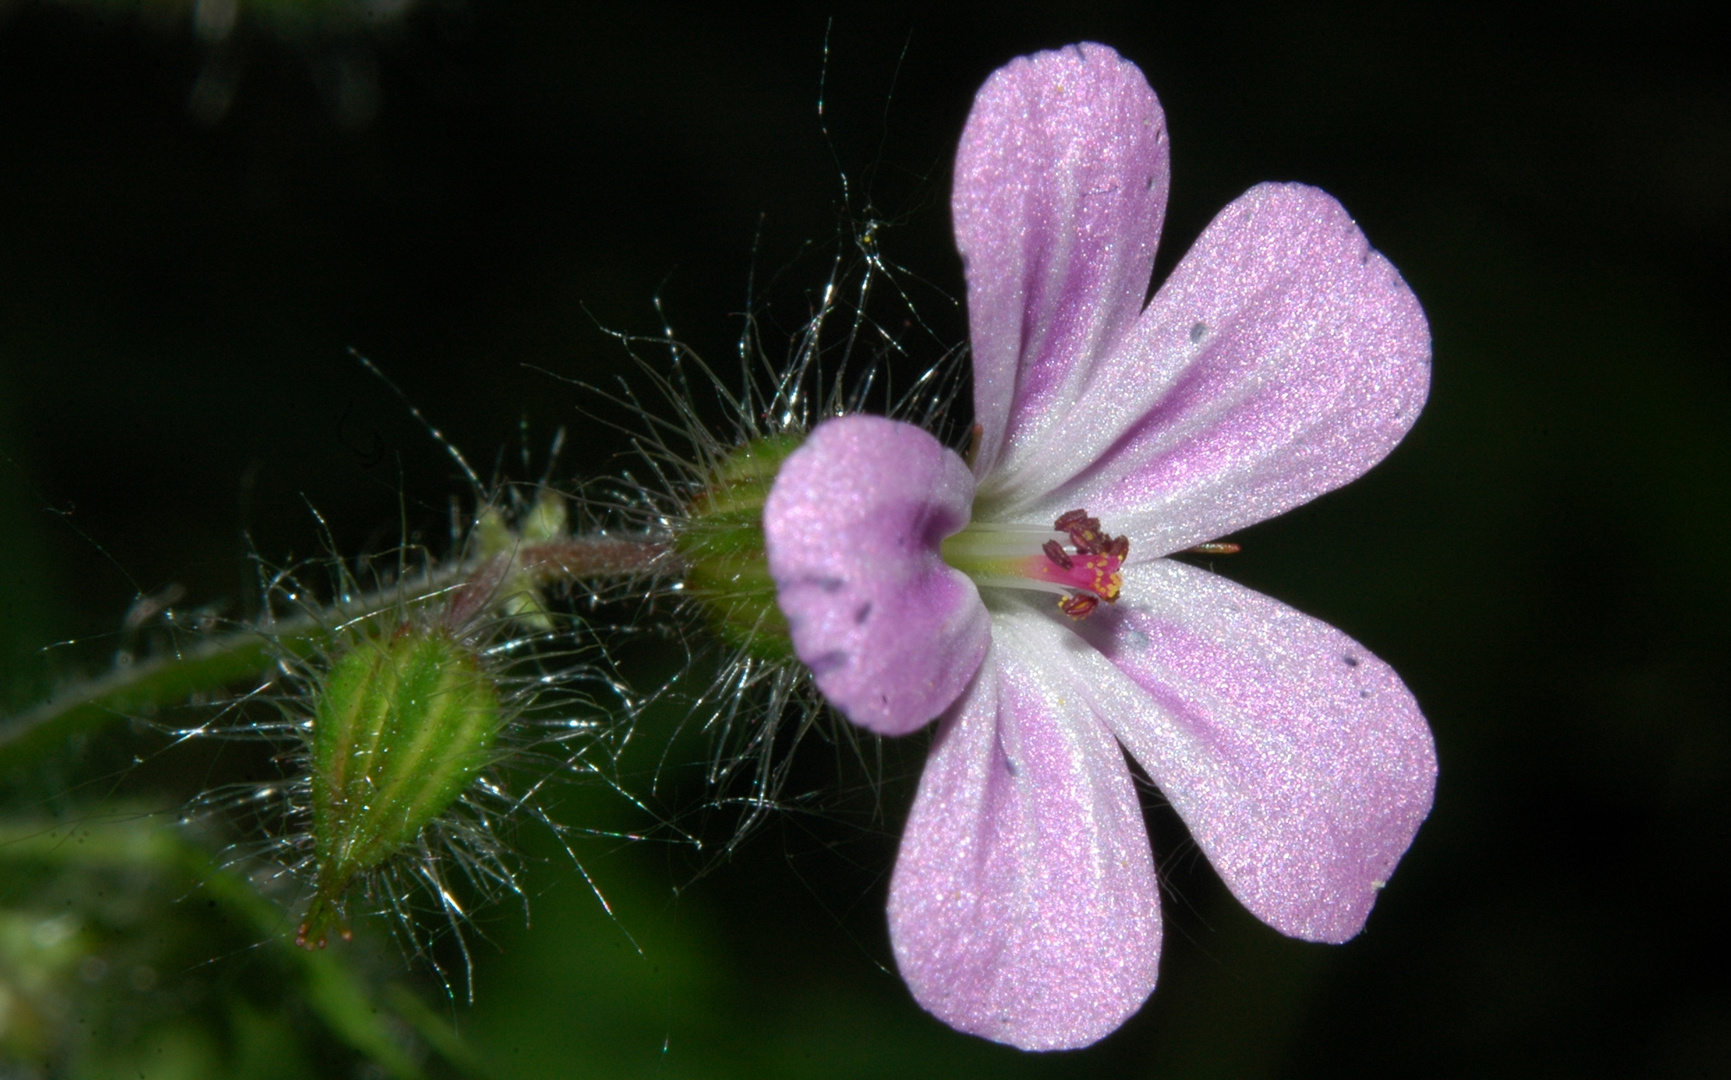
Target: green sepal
721	546
401	728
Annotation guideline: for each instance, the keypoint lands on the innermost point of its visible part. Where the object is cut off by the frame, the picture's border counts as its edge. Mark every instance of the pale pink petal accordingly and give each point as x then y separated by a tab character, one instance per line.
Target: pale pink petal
1060	188
1024	907
1282	359
851	530
1299	760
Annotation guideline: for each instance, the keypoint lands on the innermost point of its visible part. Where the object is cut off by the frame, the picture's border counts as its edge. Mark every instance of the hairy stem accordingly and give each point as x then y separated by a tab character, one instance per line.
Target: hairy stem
225	660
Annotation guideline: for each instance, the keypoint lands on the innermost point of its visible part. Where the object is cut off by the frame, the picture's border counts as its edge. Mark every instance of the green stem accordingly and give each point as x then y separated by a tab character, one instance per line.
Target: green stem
145	685
148	684
225	660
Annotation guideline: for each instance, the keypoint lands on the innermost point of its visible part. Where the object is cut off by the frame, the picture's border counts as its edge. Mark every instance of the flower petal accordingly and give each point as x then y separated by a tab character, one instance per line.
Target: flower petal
1299	760
1060	189
1282	359
851	531
1024	907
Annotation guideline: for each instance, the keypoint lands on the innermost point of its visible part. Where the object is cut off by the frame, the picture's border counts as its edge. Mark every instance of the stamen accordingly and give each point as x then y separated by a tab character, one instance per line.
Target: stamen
1094	573
995	556
1079	606
1055	552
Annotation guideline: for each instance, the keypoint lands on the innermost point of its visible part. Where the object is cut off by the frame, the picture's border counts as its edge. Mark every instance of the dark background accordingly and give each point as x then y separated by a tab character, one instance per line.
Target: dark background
469	193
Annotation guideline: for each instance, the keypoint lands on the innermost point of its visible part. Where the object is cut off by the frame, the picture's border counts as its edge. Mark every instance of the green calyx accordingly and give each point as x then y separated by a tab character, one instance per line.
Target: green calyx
721	546
401	728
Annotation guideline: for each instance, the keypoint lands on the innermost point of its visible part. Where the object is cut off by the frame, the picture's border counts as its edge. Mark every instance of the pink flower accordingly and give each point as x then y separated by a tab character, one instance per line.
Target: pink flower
1282	359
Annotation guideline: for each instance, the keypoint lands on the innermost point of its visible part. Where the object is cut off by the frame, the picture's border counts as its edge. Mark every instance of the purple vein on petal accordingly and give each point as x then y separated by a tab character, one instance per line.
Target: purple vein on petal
1061	182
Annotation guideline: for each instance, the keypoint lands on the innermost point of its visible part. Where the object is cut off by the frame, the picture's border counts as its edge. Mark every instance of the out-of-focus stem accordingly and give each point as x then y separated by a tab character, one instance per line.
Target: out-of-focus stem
346	1005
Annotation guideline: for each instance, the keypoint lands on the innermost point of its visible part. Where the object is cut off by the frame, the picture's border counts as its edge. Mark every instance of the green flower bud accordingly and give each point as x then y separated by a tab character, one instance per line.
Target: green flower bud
518	595
721	546
400	729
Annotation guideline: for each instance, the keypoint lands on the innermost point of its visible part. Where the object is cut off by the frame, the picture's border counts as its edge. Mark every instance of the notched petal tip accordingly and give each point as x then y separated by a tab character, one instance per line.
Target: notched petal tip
851	527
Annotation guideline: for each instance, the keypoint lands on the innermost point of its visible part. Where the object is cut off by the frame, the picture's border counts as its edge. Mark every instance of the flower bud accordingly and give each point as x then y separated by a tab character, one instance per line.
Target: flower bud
517	594
400	729
721	546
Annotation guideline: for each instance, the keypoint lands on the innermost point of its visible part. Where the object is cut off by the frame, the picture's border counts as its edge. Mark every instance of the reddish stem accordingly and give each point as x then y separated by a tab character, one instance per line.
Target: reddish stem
572	558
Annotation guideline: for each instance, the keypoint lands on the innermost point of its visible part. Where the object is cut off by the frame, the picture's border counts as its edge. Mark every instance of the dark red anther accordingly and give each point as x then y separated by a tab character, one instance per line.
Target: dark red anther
1055	552
1079	605
1084	531
1082	528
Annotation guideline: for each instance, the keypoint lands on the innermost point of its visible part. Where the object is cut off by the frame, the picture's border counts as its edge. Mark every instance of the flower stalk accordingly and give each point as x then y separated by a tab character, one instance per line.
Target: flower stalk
229	659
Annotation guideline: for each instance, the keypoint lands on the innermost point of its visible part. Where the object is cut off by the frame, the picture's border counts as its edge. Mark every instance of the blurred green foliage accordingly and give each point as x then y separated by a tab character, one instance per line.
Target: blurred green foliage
120	947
